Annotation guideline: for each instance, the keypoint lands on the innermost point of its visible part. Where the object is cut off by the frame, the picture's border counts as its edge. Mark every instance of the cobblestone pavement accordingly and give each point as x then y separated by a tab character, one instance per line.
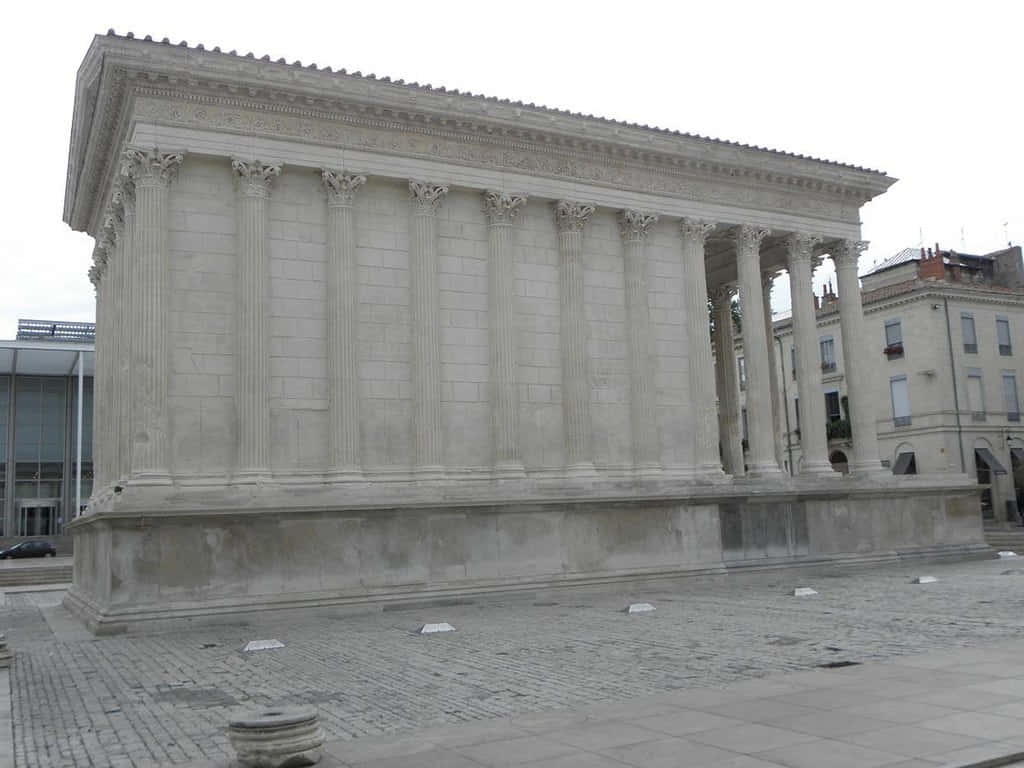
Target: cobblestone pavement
160	699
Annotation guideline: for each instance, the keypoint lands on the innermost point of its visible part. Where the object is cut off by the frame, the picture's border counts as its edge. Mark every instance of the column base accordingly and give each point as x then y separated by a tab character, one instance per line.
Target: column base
582	469
252	477
648	470
345	475
711	473
766	469
429	472
149	477
817	469
508	470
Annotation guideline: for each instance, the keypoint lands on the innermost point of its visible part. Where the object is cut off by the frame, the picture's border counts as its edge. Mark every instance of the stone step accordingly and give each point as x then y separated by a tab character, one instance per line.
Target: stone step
16	577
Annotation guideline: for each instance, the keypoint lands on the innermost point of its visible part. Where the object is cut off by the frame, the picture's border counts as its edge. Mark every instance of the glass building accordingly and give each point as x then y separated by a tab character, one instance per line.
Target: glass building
41	373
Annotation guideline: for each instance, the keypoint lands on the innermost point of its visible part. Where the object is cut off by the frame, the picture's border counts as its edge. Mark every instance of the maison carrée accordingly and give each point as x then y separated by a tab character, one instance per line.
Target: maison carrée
366	340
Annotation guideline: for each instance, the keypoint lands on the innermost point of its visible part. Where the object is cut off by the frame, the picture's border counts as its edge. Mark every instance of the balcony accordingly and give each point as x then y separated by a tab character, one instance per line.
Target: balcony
894	351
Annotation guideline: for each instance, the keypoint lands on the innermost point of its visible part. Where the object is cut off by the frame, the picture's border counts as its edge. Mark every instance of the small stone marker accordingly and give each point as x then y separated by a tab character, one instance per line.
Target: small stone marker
285	738
803	592
1005	554
5	653
429	629
262	645
640	608
924	580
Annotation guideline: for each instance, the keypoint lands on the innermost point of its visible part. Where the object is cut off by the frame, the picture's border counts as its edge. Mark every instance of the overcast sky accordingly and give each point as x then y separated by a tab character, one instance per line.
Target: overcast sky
928	92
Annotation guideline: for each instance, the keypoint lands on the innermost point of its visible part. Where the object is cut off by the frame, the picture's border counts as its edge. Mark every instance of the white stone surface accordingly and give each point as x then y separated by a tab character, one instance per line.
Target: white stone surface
430	629
640	608
804	592
924	580
262	645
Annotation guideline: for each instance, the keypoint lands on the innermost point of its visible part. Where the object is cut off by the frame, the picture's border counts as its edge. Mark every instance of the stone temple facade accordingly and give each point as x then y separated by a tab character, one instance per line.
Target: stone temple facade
364	340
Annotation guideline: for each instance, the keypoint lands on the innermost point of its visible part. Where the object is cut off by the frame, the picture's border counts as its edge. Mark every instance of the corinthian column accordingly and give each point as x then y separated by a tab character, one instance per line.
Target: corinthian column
501	210
570	217
253	329
124	196
858	369
767	280
426	321
813	442
151	172
342	324
634	227
701	366
755	348
112	324
730	425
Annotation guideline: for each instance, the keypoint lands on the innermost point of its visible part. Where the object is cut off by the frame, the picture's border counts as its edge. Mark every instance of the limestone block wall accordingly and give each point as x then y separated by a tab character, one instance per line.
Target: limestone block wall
202	332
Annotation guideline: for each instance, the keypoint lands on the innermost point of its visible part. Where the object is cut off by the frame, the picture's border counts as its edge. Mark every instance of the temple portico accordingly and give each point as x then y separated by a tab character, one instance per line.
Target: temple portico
360	340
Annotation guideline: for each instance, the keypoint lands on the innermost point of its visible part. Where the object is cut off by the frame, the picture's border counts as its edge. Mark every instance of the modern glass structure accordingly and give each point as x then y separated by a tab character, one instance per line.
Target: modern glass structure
45	470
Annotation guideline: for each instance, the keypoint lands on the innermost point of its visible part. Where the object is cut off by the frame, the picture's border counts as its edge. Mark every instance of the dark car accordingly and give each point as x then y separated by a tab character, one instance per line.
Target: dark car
31	548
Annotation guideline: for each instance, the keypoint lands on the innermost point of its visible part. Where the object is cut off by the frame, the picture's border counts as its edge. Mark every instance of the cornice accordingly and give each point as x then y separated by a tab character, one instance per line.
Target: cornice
193	75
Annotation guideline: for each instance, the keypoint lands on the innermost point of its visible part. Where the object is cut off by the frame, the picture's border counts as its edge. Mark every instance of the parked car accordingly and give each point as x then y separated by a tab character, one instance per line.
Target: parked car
30	548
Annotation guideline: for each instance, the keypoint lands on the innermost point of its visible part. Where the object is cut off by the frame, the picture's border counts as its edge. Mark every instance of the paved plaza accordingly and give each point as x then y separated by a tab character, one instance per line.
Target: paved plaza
726	666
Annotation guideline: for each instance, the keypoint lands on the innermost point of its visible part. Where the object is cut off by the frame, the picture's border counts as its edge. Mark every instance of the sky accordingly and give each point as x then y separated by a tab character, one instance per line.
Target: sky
928	92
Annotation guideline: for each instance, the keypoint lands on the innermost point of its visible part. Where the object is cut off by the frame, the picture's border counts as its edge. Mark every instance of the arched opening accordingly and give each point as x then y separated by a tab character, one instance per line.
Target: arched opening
904	460
839	462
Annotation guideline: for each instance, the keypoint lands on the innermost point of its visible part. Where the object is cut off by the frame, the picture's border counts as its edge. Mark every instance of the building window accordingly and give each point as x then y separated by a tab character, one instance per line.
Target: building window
900	401
741	363
828	354
743	418
40	416
975	394
967	329
1003	335
796	412
792	360
893	339
1010	396
832	408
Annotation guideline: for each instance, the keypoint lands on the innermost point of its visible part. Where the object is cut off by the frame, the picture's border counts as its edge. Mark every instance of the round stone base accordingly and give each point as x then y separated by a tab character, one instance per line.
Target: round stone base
285	738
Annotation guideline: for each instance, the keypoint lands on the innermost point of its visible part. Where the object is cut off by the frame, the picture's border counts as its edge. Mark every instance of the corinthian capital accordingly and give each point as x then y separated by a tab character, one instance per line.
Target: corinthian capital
427	197
150	167
635	225
254	178
749	238
341	186
722	295
696	229
800	246
501	208
847	253
768	278
570	216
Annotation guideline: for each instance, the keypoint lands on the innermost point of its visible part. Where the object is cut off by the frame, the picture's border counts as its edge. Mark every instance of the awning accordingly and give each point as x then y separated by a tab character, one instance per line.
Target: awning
990	460
903	463
1018	454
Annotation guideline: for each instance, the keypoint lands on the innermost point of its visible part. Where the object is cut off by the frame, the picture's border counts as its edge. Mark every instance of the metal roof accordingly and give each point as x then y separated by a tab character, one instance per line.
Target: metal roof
55	330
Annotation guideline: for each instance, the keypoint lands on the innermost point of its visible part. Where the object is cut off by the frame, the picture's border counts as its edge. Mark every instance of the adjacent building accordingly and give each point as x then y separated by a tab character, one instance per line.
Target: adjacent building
944	345
45	470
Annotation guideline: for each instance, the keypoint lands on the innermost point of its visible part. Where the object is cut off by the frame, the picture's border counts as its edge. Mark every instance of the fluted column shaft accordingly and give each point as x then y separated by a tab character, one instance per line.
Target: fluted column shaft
730	427
857	368
501	210
813	440
570	218
99	382
700	361
152	173
426	322
342	324
634	226
112	330
124	361
761	458
767	279
252	398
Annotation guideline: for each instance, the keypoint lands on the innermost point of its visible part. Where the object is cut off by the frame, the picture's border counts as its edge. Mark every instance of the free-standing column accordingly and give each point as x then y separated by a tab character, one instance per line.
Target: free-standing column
253	329
113	321
701	366
426	321
858	370
755	349
501	210
730	427
342	324
152	172
813	441
99	275
570	217
634	227
767	279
